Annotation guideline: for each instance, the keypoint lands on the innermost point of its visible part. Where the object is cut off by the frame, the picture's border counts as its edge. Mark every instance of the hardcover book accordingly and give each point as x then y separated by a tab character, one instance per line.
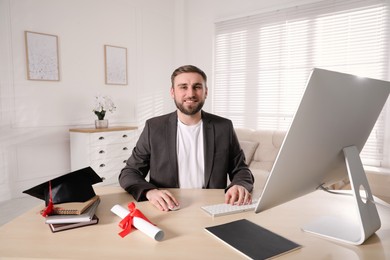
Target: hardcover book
66	226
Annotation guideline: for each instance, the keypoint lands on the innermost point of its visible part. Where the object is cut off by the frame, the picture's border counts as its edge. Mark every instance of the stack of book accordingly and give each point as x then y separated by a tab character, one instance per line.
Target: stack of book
73	215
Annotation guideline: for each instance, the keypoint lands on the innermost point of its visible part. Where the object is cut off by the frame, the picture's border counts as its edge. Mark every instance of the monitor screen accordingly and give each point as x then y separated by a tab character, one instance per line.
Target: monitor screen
337	110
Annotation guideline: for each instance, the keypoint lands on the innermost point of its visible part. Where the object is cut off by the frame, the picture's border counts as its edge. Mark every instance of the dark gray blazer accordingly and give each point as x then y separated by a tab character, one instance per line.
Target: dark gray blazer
155	153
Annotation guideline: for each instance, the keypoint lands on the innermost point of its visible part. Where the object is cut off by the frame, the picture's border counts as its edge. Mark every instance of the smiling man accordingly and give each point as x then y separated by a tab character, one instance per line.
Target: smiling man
188	148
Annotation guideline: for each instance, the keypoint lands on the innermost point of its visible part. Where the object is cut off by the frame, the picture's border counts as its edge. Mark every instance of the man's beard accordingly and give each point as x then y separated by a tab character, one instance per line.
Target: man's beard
191	110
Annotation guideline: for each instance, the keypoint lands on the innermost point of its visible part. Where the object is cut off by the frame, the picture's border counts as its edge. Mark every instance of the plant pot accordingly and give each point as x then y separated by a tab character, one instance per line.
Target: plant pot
101	123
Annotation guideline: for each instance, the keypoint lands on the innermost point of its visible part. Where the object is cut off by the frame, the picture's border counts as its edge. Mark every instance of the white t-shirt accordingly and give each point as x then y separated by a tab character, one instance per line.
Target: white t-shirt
190	155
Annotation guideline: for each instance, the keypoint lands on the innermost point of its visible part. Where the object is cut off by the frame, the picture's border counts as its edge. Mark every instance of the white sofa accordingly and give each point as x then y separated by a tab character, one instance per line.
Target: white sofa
260	148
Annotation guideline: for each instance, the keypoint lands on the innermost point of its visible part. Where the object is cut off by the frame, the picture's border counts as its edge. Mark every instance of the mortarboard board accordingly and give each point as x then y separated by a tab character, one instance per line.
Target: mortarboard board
71	187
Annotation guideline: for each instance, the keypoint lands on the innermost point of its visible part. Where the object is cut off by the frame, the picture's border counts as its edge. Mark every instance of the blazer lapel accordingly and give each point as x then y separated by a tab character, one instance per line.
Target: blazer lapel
171	144
209	140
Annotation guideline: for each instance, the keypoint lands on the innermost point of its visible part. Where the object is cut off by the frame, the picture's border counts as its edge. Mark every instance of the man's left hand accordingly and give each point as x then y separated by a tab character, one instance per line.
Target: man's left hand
238	195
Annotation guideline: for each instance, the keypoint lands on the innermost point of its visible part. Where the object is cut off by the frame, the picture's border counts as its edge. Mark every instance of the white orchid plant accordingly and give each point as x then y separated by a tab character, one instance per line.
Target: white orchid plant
102	105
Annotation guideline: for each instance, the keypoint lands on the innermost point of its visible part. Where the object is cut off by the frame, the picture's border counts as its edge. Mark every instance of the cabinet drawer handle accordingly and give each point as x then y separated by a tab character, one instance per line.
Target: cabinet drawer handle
101	151
101	138
125	149
124	136
102	165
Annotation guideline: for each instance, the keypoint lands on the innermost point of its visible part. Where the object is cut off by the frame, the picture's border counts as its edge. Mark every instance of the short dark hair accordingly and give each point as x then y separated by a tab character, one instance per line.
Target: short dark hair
187	69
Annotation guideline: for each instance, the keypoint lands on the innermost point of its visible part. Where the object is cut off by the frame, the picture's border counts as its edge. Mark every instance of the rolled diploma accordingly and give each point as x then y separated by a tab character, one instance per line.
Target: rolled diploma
139	223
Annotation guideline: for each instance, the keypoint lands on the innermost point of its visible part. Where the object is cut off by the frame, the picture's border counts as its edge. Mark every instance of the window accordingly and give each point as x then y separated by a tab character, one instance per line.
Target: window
262	62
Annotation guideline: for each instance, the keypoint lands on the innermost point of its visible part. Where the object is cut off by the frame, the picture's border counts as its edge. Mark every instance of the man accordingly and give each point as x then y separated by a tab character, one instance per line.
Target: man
188	148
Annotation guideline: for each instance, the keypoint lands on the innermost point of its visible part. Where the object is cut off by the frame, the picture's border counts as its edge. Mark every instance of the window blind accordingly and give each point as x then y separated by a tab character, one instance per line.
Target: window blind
262	62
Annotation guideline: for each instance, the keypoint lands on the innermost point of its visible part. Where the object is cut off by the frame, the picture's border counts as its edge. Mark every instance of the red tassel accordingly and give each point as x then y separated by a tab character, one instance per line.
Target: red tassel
49	209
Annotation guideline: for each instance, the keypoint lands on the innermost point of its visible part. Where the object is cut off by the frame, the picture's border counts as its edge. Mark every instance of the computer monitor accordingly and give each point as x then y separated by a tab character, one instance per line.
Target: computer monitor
335	117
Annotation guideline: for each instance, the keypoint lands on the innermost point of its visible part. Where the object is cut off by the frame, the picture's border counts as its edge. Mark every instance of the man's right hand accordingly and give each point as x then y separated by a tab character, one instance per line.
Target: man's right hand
162	199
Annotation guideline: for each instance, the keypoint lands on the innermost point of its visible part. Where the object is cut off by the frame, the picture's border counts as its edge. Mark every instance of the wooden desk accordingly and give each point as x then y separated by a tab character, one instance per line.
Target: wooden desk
185	238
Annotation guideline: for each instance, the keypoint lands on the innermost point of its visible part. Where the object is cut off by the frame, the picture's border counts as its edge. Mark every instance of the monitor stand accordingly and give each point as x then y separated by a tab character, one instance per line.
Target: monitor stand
368	219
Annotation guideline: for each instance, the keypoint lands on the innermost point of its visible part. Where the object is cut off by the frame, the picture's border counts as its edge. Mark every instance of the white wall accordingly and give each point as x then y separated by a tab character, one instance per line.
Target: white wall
35	115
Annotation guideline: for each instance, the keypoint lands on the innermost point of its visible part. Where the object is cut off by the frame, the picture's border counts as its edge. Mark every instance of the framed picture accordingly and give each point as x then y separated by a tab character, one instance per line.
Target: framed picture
115	65
42	56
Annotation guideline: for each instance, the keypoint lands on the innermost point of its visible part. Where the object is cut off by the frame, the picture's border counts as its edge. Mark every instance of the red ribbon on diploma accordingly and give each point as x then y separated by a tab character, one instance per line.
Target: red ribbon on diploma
127	223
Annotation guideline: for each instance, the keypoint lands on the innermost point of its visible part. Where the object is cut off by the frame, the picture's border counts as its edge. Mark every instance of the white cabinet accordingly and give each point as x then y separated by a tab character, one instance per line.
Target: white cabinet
105	150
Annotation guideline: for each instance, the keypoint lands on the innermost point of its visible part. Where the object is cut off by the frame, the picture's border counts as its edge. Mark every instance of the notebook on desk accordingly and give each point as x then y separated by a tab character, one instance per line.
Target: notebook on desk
74	208
252	240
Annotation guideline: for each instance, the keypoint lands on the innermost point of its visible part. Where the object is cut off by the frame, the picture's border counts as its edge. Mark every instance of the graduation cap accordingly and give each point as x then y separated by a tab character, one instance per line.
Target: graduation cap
71	187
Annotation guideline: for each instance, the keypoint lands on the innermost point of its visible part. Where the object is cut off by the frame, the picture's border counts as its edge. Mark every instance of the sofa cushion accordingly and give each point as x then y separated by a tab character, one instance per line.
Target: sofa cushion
261	177
269	143
249	149
266	145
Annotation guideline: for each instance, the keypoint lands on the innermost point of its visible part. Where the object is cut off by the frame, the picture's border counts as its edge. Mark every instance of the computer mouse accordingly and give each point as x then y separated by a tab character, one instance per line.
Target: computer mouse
174	208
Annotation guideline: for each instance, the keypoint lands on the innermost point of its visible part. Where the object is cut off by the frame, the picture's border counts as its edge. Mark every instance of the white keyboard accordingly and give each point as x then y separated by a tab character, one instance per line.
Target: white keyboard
226	209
